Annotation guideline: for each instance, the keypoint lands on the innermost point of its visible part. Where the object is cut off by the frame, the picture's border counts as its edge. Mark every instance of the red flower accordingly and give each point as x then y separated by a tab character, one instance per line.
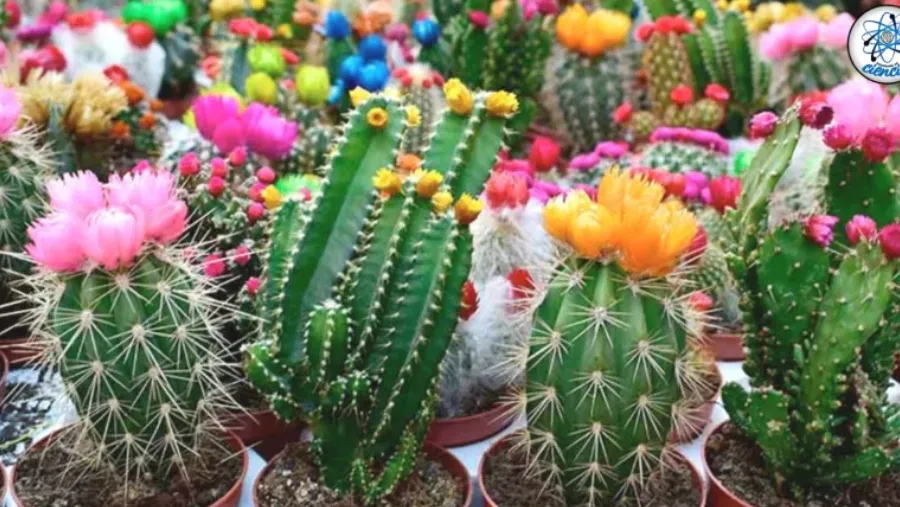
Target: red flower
522	284
889	237
682	95
815	114
116	73
838	137
216	186
877	144
506	190
469	301
255	211
861	227
623	113
698	245
700	301
674	183
717	92
645	31
13	14
480	19
253	284
763	124
723	193
544	154
290	57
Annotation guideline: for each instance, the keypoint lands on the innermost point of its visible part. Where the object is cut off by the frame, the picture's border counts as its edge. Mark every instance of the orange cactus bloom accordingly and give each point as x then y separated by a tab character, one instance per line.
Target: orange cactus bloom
408	163
570	27
119	130
148	121
156	105
133	92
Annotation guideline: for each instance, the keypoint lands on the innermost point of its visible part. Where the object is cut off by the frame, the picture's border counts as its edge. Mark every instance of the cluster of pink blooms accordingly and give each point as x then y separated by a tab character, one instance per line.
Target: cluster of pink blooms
108	225
258	127
704	138
802	34
820	230
721	192
606	150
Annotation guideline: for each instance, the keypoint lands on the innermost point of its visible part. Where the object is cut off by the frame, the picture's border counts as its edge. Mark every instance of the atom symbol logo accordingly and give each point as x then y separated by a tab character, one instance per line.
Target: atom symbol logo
881	39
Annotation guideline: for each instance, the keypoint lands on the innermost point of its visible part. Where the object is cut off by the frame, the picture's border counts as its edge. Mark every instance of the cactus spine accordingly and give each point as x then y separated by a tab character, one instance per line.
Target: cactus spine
358	351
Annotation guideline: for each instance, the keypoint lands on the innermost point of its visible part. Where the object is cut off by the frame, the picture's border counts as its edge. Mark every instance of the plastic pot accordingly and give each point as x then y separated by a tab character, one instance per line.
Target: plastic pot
263	431
727	346
456	431
437	454
20	351
719	495
698	416
503	443
230	499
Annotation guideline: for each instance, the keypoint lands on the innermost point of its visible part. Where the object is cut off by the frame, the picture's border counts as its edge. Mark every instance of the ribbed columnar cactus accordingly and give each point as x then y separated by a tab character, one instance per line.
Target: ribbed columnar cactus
420	87
356	346
608	367
131	323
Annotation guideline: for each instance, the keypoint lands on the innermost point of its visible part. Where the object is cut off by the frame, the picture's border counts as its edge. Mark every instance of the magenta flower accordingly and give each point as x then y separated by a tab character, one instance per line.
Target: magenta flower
694	184
838	137
152	194
861	227
113	237
253	284
10	109
214	265
211	111
267	133
820	229
189	165
56	242
859	104
584	162
835	33
611	149
241	255
229	135
877	144
889	237
722	193
775	44
78	194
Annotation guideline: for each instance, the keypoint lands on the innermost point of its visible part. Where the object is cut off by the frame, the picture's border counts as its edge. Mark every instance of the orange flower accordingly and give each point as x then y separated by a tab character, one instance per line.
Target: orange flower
560	213
408	163
594	231
570	27
156	105
134	92
148	121
119	130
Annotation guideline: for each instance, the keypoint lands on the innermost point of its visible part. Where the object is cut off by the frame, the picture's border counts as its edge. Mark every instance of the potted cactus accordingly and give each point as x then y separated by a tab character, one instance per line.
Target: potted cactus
819	315
131	326
609	362
361	298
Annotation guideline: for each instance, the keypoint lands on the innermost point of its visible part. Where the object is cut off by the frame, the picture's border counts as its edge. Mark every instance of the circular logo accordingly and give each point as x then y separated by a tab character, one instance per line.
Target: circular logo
874	44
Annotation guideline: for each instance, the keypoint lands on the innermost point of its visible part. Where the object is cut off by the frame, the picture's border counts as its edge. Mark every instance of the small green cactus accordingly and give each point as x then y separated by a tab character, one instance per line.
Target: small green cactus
182	47
820	68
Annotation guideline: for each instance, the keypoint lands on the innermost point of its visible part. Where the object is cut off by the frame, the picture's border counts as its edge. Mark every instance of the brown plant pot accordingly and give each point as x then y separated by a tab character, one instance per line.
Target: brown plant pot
20	351
263	431
719	495
436	454
456	431
174	109
727	346
4	372
699	417
503	443
229	499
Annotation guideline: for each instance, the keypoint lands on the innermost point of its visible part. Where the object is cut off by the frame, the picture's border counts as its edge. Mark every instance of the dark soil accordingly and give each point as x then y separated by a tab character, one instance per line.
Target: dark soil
509	485
738	463
293	482
249	398
53	477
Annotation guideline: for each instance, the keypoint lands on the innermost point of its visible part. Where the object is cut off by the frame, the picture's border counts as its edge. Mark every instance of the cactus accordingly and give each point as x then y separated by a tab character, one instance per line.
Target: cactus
820	68
131	324
420	88
355	332
682	150
182	49
609	368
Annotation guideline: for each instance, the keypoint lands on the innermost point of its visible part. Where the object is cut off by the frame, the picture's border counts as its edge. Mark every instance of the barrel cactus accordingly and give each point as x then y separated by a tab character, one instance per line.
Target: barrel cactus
683	149
362	293
609	367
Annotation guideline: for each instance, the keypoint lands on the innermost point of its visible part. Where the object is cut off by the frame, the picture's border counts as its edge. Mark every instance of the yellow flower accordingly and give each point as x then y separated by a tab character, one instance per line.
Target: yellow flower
458	97
257	5
502	103
358	96
441	201
742	5
222	9
594	231
271	197
377	117
413	116
826	13
467	209
429	182
498	9
722	5
261	88
699	17
387	181
285	31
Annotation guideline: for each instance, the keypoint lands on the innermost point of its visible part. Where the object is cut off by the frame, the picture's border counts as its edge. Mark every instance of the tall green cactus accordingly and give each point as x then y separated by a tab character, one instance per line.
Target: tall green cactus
358	350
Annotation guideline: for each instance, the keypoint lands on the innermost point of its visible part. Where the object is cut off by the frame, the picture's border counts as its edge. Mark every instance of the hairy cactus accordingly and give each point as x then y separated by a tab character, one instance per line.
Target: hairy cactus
609	369
131	323
363	293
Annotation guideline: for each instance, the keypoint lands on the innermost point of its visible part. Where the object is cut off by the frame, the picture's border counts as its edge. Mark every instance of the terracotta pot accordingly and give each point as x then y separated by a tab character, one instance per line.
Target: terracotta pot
503	443
436	454
20	351
4	371
698	416
719	495
263	431
456	431
229	499
727	346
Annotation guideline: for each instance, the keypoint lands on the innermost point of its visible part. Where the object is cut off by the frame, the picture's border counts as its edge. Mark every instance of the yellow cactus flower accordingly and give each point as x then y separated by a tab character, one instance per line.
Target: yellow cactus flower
570	27
441	201
561	211
387	182
826	13
594	231
467	209
257	5
722	5
261	88
699	17
285	31
501	103
271	197
793	10
358	96
413	116
377	117
223	9
498	9
429	182
742	5
459	97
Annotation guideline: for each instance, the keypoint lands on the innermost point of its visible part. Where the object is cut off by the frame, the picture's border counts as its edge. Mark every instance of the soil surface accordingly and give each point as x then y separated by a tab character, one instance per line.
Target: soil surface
509	485
738	463
53	478
293	482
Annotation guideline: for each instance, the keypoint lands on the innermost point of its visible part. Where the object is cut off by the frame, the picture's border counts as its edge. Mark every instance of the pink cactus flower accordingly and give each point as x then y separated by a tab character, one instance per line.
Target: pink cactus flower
820	229
698	245
804	33
775	44
838	137
835	33
861	227
211	111
859	104
218	167
694	183
701	301
892	117
113	237
611	149
889	237
584	162
78	194
189	165
267	133
241	255
506	190
253	285
56	242
152	194
544	154
722	193
255	211
216	186
238	157
255	192
214	266
10	109
229	135
266	175
480	19
877	144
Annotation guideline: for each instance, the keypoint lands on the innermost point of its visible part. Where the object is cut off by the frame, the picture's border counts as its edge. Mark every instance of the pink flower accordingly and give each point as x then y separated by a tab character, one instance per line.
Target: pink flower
542	7
590	190
241	255
834	34
113	237
10	109
216	186
889	237
722	193
838	137
698	245
79	194
267	133
255	211
701	301
544	154
266	175
56	242
775	44
480	19
695	182
152	195
506	190
218	167
819	229
861	227
189	165
804	33
859	104
229	135
255	192
892	117
584	162
514	166
211	111
877	144
253	284
238	157
611	149
214	265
